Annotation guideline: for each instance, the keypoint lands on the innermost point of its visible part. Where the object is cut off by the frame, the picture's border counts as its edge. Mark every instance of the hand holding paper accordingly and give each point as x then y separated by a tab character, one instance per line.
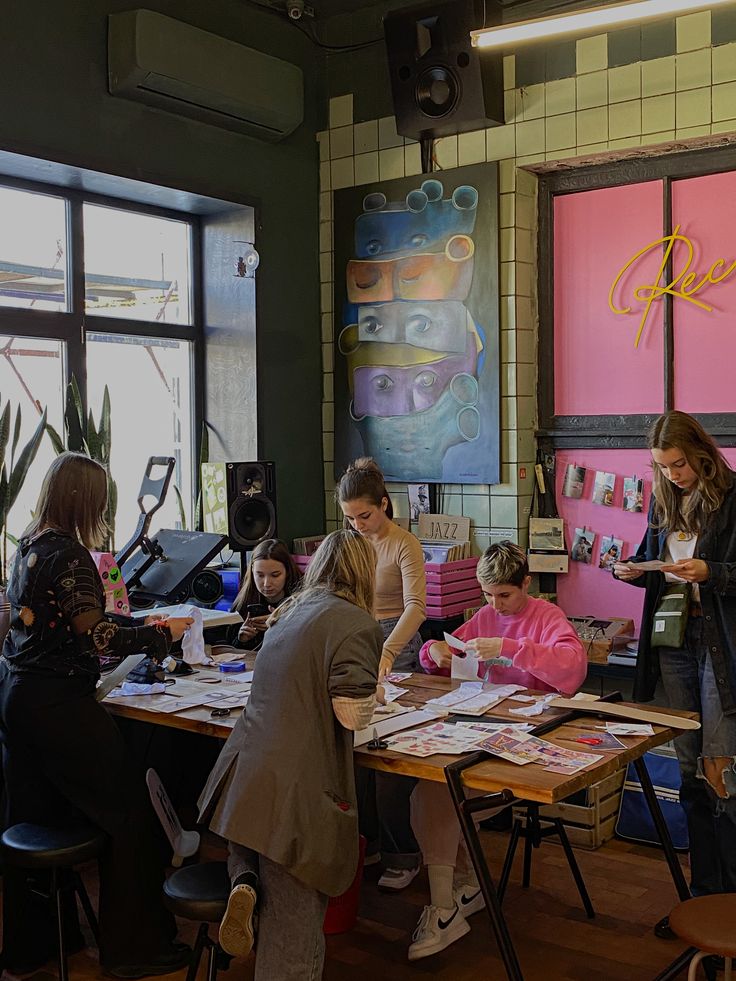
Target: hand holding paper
485	648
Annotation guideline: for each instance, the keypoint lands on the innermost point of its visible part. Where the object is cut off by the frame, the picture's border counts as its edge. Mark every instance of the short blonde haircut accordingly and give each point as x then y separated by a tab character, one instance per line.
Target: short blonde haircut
73	499
504	563
344	565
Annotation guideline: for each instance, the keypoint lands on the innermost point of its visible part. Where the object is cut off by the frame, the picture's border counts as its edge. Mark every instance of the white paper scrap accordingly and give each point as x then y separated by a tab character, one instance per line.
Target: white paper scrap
392	692
455	642
628	729
417	717
466	668
536	709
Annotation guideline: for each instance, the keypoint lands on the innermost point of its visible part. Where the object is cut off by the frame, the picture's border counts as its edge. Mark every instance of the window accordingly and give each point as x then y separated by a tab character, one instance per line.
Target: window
102	290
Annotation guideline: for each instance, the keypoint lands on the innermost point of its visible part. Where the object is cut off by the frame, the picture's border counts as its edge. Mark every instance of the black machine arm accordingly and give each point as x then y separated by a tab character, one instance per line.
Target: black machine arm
150	487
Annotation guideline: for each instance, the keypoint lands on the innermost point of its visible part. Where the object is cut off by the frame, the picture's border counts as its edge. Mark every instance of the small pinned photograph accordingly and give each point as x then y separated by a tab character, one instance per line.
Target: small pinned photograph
574	480
633	494
582	546
603	488
611	552
547	534
418	500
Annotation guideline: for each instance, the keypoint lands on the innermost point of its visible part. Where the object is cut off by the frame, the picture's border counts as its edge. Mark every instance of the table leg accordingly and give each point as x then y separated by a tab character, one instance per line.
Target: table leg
662	830
465	808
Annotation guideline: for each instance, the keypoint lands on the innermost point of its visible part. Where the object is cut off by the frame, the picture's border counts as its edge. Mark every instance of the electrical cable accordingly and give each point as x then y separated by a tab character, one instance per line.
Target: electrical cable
280	12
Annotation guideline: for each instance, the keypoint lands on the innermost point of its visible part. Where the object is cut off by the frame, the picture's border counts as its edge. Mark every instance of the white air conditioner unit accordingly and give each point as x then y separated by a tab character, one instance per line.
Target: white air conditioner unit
165	63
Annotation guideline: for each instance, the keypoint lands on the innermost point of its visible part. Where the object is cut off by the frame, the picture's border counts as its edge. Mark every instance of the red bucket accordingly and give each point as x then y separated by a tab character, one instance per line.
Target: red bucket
342	911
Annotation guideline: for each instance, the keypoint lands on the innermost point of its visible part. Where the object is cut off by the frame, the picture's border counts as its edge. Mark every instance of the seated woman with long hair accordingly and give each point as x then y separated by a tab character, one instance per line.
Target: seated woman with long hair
283	790
271	577
63	756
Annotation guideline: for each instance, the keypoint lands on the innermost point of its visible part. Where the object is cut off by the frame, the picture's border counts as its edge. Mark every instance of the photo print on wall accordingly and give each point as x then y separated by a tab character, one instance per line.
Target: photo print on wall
582	545
611	552
574	480
633	494
416	326
603	488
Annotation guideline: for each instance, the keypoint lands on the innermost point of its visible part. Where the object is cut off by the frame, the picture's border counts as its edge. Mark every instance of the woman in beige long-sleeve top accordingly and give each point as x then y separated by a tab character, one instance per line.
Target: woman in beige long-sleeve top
400	605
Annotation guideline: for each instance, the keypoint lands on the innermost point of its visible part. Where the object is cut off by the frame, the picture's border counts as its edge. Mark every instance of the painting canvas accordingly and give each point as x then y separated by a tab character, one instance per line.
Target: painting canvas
416	326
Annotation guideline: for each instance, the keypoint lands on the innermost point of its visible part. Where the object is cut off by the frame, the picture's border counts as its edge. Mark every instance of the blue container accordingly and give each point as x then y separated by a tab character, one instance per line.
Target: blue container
230	584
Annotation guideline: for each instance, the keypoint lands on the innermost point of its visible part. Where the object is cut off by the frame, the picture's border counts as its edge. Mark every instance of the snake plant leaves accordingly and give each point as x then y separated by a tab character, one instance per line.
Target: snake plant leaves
20	470
74	418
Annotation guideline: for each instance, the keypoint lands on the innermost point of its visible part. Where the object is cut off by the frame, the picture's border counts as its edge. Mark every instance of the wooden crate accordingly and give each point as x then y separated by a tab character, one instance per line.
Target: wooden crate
590	816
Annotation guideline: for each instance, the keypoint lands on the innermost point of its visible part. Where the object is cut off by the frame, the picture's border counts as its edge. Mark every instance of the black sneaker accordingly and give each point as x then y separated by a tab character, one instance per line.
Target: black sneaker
237	931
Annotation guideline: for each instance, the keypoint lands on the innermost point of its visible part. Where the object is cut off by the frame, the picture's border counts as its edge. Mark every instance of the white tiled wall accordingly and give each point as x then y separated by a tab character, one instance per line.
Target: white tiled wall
602	109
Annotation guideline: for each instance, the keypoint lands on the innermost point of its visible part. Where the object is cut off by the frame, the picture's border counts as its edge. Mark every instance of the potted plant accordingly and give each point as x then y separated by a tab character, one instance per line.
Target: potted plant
13	474
82	436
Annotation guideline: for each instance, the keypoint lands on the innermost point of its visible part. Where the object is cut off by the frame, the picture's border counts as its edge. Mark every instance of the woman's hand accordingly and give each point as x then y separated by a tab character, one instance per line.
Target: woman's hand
178	626
485	647
380	694
441	654
260	624
625	572
247	630
691	570
385	666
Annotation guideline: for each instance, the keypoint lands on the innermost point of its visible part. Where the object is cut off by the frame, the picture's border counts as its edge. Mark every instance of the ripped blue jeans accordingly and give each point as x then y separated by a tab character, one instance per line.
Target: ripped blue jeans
689	683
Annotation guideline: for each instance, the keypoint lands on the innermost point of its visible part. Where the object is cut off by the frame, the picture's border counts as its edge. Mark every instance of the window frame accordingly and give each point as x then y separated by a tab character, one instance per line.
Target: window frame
71	326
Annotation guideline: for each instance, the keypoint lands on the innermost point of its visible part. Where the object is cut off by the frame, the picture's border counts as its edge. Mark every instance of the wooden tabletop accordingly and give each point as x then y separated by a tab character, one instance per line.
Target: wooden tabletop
530	782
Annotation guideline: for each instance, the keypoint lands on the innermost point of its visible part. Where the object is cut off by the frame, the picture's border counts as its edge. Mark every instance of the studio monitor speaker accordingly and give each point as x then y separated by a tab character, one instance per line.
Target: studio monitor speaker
251	503
440	83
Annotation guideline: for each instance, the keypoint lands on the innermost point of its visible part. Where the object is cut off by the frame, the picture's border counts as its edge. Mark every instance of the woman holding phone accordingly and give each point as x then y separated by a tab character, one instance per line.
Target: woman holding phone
271	576
692	528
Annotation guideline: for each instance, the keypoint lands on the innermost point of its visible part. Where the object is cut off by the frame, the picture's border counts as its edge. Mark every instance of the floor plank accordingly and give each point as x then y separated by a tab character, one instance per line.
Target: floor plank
629	886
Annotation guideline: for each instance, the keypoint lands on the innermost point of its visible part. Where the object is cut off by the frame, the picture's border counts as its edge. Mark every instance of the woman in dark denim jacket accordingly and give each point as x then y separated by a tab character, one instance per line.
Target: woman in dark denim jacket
692	528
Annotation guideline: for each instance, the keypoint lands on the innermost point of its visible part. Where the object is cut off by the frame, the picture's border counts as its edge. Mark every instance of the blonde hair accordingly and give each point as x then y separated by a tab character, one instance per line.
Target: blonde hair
674	509
364	478
73	499
344	565
504	563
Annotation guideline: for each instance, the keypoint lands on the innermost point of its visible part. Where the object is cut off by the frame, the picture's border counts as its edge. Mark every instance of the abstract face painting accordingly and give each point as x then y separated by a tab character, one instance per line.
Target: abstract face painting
416	326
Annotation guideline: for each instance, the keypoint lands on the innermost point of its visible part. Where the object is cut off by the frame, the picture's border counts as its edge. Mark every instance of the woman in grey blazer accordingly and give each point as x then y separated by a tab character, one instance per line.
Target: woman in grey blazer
282	791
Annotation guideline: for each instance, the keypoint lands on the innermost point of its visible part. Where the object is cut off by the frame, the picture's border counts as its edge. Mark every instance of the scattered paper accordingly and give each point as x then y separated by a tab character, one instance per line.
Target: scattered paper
629	729
437	738
414	717
522	698
392	692
455	642
171	703
537	708
467	690
522	748
496	726
650	566
397	676
134	688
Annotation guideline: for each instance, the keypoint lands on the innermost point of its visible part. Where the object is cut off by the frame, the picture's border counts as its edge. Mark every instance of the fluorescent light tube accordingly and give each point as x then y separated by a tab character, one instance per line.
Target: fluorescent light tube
585	21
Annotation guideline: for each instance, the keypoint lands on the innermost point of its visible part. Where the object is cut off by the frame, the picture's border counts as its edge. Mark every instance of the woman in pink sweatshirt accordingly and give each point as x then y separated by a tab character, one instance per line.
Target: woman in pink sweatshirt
546	655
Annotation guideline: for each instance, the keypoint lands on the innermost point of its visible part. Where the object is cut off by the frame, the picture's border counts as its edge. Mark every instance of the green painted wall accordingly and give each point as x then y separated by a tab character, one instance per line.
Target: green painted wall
53	73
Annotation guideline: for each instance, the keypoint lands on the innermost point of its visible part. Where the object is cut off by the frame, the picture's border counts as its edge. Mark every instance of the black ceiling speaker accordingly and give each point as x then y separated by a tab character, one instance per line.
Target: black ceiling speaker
440	83
251	504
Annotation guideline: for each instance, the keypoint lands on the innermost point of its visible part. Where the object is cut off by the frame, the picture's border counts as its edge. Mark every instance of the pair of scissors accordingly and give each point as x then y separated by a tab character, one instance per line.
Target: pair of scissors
376	742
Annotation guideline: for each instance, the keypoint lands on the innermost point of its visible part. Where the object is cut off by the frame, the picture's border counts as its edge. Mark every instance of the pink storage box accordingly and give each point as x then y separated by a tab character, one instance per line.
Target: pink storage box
447	571
450	588
441	612
469	596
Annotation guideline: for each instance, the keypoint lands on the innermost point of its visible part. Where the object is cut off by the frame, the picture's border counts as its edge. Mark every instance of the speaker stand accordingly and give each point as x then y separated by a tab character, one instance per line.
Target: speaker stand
426	149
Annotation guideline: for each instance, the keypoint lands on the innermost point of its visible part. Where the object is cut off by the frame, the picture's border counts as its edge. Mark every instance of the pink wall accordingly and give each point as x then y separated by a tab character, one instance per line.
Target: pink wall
705	341
598	370
587	590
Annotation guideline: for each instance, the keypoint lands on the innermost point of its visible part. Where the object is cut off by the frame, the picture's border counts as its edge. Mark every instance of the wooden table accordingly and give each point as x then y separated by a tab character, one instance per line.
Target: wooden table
499	780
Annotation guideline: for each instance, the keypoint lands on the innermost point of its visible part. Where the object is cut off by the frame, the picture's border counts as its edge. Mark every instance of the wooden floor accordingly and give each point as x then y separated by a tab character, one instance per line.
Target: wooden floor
629	885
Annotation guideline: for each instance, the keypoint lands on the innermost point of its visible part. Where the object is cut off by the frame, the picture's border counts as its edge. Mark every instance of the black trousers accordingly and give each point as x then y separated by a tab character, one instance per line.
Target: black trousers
64	758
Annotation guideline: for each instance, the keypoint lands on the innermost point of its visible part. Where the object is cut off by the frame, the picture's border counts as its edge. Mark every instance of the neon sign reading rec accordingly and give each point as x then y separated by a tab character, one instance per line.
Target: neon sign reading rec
685	284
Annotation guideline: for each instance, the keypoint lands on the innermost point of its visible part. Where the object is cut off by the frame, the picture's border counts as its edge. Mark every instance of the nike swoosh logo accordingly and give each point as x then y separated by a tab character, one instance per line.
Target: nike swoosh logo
443	925
466	901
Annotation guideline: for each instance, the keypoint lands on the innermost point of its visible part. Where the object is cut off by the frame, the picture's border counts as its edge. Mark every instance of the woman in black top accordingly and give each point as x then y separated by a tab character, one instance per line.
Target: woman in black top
270	578
63	756
692	528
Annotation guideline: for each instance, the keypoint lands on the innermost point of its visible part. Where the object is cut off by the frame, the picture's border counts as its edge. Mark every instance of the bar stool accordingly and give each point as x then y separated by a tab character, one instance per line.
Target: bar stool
34	847
533	833
200	893
707	922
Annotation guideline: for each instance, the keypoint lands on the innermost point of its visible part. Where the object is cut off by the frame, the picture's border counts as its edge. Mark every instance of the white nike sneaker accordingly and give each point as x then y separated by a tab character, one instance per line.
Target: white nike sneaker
469	899
437	929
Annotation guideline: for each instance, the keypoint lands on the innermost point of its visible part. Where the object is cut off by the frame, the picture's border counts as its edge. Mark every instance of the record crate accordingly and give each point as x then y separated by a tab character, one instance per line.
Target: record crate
589	816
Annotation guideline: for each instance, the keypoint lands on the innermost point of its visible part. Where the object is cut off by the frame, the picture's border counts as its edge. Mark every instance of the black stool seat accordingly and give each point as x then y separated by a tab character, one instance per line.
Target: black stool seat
199	892
33	846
